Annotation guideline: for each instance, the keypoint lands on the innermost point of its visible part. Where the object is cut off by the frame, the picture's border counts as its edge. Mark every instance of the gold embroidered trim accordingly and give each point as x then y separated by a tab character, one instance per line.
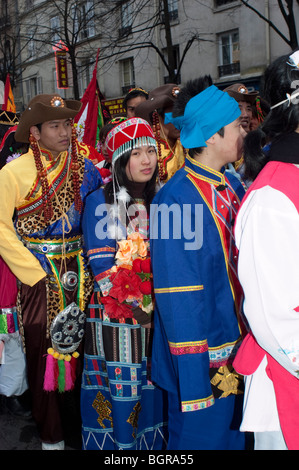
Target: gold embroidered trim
165	290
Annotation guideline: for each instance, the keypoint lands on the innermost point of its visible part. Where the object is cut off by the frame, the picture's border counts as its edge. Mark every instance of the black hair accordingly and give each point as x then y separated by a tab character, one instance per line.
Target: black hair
104	131
277	82
191	89
121	179
133	94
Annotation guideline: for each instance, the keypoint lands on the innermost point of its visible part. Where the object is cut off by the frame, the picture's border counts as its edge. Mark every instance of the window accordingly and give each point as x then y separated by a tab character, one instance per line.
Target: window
88	29
176	54
229	53
31	49
33	87
173	9
83	14
127	75
55	29
126	19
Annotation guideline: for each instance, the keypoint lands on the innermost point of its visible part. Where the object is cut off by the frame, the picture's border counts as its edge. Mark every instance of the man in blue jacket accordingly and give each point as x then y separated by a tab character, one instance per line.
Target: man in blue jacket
197	319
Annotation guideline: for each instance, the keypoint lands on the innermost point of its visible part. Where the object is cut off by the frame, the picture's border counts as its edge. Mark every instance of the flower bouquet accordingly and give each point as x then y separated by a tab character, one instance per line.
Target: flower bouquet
130	279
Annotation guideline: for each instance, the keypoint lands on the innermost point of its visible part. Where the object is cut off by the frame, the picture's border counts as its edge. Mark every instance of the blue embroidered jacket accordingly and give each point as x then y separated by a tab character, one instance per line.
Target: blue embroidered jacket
198	296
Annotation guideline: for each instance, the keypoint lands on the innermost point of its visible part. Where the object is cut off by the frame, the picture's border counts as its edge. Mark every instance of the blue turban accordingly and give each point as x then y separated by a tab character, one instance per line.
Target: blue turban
205	114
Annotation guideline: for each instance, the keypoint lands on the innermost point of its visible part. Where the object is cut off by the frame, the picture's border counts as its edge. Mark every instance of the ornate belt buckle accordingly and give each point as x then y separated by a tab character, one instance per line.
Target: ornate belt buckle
67	329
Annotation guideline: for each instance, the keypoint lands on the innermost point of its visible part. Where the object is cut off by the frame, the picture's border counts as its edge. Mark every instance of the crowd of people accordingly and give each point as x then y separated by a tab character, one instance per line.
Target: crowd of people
149	291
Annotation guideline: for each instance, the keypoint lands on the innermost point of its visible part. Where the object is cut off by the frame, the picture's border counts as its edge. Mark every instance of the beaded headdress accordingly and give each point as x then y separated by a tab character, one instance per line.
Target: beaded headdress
129	134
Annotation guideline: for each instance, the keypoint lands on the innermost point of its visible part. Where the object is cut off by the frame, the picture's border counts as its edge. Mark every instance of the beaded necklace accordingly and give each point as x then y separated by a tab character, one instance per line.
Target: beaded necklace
47	207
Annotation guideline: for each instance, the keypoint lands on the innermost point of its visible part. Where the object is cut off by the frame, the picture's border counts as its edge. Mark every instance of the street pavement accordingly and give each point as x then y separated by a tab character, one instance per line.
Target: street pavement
21	434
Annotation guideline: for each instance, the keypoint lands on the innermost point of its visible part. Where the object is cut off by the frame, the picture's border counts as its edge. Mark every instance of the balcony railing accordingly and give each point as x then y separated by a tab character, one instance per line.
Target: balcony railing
228	69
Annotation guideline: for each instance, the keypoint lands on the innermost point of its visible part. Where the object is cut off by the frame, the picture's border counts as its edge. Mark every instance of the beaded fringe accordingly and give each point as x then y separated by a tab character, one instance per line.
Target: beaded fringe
133	144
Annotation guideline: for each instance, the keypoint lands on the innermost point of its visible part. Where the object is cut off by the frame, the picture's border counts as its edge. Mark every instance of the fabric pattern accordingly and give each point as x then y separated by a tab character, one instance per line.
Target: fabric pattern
121	408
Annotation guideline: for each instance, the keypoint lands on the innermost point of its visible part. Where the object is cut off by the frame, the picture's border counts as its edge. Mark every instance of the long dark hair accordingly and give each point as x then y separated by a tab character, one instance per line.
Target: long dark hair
120	179
275	86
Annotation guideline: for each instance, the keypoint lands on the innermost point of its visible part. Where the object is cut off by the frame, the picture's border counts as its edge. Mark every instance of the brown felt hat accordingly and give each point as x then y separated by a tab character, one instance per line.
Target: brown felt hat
44	108
240	93
159	98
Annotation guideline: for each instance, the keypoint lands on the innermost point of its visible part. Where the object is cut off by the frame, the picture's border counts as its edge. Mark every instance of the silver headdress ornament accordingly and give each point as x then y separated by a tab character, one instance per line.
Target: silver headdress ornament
294	60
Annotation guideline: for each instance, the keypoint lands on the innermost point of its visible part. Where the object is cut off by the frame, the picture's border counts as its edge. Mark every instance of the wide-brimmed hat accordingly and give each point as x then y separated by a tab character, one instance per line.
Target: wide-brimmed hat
44	108
241	93
159	98
131	133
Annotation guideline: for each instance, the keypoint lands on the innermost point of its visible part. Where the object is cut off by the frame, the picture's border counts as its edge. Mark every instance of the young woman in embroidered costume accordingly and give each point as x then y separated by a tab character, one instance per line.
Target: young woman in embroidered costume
46	188
198	327
121	408
267	233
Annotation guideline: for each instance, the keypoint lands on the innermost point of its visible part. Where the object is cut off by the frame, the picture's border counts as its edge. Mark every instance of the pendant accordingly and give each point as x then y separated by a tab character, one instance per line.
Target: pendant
69	280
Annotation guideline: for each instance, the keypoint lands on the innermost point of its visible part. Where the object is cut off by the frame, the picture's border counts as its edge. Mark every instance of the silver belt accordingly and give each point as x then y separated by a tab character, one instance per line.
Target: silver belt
7	311
52	247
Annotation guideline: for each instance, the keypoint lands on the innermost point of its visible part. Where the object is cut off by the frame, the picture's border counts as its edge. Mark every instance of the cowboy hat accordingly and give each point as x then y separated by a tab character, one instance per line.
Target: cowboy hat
44	108
240	93
159	98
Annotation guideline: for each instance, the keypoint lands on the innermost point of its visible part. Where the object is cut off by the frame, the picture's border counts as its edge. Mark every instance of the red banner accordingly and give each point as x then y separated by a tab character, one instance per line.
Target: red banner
60	51
61	69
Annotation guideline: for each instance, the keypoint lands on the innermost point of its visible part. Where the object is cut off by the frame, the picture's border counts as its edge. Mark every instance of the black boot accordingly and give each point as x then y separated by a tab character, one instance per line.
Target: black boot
18	406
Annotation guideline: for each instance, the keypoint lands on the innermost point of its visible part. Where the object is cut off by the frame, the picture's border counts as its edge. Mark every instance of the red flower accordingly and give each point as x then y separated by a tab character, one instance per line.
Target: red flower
115	309
146	287
136	265
125	283
146	265
104	172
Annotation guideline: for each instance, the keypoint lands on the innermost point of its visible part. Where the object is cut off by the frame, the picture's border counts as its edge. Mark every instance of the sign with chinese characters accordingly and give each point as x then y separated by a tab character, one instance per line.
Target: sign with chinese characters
60	51
115	106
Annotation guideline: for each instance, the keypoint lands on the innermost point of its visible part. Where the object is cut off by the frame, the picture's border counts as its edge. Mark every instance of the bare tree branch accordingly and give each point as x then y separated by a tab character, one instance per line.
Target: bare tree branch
289	18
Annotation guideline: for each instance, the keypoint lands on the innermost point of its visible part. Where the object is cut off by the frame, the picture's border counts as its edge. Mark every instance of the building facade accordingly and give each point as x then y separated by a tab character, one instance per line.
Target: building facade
57	44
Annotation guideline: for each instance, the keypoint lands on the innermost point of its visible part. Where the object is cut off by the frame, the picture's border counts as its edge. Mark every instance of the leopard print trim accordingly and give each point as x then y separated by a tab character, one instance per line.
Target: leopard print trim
20	318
